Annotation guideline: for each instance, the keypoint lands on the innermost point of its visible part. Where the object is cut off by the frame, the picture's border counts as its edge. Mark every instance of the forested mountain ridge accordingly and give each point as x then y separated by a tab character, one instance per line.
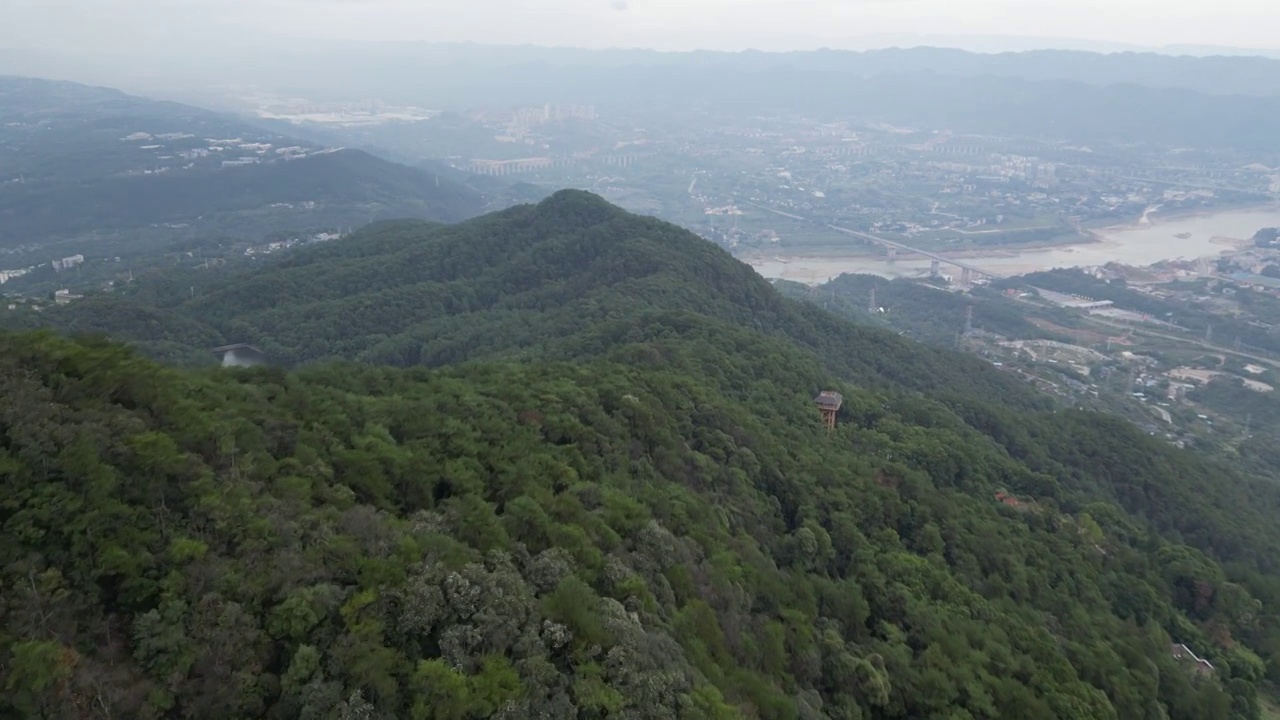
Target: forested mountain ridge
626	509
87	167
569	276
347	185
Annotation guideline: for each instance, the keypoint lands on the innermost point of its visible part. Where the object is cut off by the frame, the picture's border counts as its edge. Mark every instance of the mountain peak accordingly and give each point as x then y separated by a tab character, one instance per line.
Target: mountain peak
579	207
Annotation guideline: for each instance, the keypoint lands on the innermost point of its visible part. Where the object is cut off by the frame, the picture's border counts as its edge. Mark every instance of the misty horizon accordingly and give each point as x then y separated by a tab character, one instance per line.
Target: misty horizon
192	26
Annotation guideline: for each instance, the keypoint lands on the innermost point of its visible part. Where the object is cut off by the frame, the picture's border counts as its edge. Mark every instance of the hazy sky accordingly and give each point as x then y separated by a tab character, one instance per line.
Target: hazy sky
666	24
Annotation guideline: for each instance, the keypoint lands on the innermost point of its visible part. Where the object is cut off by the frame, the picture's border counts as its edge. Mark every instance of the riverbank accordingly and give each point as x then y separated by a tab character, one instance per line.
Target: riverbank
1155	216
1230	242
867	252
1182	236
1150	219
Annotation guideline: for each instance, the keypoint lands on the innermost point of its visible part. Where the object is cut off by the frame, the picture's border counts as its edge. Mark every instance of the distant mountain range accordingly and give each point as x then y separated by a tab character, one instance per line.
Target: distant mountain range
1128	97
1017	43
86	164
404	70
1219	75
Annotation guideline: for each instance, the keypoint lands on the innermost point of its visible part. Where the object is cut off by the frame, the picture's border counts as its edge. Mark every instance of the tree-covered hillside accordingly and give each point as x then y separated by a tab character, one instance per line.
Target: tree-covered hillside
569	276
90	168
928	313
560	541
334	189
614	498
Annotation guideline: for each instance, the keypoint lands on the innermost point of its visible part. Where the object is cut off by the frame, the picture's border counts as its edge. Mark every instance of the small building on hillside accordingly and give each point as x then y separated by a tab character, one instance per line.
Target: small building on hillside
240	355
64	296
829	402
1199	665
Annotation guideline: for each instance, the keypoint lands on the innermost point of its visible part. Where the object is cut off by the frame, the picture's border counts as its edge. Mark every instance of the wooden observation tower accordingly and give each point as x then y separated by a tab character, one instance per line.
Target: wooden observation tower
829	401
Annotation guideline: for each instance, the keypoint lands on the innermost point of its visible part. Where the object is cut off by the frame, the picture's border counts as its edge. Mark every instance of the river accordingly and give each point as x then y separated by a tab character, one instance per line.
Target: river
1139	244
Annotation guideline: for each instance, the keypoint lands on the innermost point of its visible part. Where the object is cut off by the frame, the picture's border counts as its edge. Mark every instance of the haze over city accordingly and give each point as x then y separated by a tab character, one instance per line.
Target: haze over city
125	25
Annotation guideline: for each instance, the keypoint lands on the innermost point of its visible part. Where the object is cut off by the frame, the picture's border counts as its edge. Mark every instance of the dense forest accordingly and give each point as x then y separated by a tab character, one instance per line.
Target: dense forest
1258	443
924	312
598	488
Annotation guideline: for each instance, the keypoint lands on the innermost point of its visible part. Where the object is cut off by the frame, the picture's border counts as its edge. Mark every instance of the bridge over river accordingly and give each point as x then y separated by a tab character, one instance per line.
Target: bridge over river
968	272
